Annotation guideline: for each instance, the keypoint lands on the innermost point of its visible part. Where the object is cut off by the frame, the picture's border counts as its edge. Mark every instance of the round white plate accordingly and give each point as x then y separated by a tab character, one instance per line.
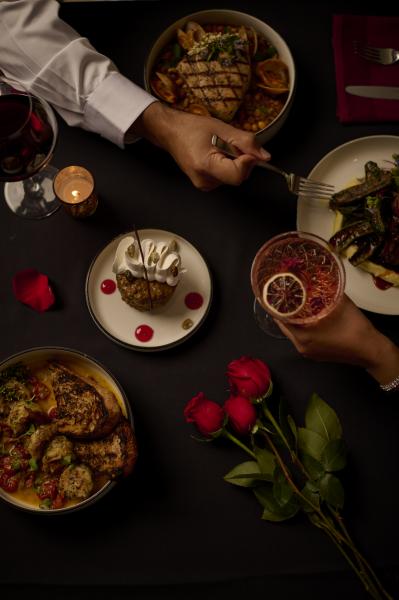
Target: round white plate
341	167
119	321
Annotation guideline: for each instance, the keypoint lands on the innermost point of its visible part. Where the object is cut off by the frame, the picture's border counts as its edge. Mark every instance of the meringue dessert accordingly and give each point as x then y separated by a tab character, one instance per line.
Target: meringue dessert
149	284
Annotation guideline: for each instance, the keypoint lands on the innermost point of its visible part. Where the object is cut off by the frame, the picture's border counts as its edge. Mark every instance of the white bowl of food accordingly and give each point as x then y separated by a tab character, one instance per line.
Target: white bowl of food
66	431
226	64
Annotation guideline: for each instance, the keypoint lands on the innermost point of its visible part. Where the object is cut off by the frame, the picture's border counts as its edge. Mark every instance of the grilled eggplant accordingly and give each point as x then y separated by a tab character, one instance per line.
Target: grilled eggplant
346	236
375	180
367	223
366	247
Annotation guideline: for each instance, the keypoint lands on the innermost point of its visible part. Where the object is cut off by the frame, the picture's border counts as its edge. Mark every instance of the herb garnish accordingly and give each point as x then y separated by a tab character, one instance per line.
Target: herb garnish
17	371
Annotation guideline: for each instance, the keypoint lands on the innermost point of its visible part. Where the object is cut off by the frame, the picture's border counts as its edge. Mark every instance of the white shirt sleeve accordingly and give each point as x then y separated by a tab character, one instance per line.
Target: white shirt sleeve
51	60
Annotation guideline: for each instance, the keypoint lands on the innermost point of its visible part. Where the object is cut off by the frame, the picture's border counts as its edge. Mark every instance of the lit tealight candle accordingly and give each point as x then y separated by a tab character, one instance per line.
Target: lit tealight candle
74	186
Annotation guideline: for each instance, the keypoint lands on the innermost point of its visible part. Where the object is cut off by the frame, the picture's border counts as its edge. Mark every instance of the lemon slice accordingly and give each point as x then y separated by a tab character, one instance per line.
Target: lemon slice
284	295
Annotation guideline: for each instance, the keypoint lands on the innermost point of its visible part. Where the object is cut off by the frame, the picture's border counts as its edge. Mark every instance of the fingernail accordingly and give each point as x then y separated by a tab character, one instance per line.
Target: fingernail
265	154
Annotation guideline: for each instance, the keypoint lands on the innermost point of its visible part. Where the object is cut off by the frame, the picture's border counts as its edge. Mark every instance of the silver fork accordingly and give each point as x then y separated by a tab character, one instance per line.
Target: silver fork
296	184
383	56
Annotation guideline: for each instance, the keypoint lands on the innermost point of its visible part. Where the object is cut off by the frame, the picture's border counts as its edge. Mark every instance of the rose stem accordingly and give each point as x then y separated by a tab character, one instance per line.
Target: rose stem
231	437
333	533
360	559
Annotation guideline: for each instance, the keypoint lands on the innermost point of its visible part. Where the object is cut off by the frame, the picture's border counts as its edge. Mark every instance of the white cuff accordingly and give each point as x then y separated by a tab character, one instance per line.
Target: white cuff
113	106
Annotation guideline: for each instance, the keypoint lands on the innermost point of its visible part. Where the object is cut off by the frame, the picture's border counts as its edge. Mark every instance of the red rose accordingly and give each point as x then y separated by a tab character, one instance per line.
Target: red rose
249	377
206	414
241	412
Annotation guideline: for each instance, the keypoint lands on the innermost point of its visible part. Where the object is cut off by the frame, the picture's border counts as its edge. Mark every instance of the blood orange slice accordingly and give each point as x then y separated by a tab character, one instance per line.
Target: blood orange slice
284	295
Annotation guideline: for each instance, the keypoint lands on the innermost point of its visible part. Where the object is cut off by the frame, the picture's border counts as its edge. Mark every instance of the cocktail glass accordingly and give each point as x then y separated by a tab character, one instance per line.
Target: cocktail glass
296	279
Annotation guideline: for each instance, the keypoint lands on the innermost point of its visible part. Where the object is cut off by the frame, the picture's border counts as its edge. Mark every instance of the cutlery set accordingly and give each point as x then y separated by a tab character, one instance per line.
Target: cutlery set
382	56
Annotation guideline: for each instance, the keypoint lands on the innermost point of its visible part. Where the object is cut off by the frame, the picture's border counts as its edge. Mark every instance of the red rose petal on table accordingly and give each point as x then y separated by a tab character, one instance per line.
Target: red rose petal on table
32	288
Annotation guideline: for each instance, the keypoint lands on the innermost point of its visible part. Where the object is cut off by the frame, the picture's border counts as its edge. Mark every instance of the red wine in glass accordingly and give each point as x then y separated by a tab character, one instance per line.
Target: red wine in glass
28	132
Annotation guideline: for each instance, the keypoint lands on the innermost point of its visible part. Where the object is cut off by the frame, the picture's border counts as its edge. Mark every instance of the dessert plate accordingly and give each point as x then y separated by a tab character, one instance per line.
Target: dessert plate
341	167
163	327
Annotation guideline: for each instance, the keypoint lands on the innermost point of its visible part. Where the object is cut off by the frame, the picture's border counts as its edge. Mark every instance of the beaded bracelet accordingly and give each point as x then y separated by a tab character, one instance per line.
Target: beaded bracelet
391	386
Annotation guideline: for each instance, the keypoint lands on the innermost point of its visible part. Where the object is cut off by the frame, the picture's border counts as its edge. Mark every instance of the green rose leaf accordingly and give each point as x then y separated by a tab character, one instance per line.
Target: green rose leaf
333	456
272	509
311	443
313	467
282	492
245	475
312	495
331	490
266	462
322	419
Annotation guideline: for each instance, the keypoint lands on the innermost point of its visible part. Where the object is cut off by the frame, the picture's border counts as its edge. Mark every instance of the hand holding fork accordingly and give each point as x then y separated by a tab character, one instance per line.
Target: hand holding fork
296	184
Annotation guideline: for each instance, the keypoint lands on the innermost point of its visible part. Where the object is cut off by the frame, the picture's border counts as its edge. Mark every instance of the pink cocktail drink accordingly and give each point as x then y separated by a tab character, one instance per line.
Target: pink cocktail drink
296	278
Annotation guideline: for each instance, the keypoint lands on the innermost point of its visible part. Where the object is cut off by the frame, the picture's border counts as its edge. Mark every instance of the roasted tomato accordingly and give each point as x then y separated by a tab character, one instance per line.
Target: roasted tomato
48	489
40	390
58	501
52	413
8	482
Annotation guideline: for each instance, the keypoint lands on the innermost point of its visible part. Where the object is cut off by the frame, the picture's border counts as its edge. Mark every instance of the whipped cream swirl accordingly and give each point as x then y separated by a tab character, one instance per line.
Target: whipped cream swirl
161	261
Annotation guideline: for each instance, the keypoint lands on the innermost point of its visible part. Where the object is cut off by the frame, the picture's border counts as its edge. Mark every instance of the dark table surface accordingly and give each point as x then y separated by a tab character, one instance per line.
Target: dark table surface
175	529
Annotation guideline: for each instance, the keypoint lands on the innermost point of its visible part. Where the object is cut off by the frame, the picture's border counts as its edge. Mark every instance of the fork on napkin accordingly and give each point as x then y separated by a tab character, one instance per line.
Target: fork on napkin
352	69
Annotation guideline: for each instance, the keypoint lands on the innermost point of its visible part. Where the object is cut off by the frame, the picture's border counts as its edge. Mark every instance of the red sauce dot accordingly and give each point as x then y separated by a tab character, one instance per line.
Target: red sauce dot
381	284
108	286
144	333
193	300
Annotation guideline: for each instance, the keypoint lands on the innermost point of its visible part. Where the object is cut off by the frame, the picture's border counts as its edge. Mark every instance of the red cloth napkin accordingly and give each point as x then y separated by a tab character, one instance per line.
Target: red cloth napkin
32	288
351	69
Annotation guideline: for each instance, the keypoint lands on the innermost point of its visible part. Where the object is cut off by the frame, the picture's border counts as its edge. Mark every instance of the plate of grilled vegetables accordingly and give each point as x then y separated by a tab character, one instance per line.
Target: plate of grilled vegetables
361	220
66	431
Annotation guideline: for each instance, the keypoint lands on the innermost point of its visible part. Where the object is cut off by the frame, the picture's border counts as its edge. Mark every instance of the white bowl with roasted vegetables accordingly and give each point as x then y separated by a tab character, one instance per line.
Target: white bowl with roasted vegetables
66	431
225	64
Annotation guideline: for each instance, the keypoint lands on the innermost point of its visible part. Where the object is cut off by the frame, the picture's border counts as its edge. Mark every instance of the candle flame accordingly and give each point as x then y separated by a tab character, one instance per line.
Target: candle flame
75	194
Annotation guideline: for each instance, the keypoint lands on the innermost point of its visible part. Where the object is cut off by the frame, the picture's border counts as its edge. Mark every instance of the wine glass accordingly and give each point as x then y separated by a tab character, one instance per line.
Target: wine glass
28	133
297	279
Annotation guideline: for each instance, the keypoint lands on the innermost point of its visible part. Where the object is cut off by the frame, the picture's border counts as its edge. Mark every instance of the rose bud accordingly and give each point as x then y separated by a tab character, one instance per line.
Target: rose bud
206	414
241	413
249	377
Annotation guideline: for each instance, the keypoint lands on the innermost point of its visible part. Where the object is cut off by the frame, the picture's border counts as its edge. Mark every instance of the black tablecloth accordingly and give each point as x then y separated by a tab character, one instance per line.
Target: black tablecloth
175	529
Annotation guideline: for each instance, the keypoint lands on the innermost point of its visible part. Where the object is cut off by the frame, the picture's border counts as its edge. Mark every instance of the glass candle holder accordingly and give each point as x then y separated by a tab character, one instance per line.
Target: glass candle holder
74	186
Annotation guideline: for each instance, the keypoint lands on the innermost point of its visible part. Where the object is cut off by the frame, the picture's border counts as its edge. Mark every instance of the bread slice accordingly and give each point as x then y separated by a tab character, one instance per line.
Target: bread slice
85	409
114	455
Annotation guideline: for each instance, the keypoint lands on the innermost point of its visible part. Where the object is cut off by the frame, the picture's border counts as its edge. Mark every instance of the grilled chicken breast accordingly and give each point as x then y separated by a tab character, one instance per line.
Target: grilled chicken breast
114	455
84	407
217	71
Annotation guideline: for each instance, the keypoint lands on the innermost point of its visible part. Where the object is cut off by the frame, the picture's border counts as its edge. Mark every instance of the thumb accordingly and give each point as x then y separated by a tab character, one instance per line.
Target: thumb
248	144
231	171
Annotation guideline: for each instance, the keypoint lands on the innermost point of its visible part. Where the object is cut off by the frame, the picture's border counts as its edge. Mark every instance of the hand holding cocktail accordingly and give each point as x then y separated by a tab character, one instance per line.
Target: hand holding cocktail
347	336
297	279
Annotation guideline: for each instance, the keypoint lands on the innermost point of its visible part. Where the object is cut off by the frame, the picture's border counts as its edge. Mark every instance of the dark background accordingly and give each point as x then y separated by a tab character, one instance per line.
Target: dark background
175	529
